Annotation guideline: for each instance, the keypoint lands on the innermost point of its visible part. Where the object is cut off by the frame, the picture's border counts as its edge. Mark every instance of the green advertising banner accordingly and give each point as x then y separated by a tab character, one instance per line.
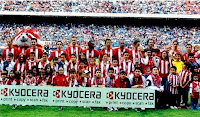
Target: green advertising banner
77	96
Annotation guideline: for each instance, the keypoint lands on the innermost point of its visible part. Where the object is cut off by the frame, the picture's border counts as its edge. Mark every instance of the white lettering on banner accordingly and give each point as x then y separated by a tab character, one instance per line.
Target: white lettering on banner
77	96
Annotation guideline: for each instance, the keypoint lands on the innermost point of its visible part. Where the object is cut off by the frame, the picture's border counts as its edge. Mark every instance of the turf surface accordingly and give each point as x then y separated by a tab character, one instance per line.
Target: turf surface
42	111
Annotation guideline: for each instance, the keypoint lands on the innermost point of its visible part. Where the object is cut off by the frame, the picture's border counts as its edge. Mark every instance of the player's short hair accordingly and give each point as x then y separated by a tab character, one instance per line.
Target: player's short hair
45	53
34	39
107	40
111	68
154	68
190	54
32	53
97	70
122	72
72	71
173	67
137	68
125	52
58	42
10	54
73	55
150	40
63	54
29	72
136	41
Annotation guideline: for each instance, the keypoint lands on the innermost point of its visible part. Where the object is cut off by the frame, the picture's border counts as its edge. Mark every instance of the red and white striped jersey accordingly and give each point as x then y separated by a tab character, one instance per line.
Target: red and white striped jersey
185	76
20	67
164	66
92	70
104	66
116	70
30	64
30	81
127	66
42	64
72	66
173	79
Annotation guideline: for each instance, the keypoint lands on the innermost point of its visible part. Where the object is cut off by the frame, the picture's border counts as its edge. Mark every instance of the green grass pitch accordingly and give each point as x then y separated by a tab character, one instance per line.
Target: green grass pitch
44	111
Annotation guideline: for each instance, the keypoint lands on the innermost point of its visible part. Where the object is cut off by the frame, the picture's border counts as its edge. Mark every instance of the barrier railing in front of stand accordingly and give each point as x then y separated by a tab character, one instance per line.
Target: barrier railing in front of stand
109	15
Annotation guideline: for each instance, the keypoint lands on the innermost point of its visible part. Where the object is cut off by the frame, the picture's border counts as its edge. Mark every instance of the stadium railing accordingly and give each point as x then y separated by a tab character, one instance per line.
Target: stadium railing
111	15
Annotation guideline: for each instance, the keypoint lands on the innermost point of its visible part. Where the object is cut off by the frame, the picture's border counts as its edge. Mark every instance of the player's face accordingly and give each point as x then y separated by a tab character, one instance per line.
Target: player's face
137	72
164	54
155	71
177	56
9	42
74	41
195	78
29	75
32	56
172	71
184	66
34	71
83	56
122	76
82	64
175	44
110	73
73	58
108	43
59	45
72	75
191	58
44	57
149	53
60	70
92	62
115	63
188	48
151	43
21	57
43	75
195	70
105	57
3	76
137	44
122	43
48	69
126	55
33	42
62	58
12	74
9	58
98	73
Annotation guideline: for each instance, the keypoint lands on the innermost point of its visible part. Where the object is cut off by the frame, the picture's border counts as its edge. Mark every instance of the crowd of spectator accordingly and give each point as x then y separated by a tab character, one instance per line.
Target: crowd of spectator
186	7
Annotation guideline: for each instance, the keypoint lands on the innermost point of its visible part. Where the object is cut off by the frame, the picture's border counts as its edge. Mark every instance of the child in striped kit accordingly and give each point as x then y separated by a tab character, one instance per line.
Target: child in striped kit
173	84
194	91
